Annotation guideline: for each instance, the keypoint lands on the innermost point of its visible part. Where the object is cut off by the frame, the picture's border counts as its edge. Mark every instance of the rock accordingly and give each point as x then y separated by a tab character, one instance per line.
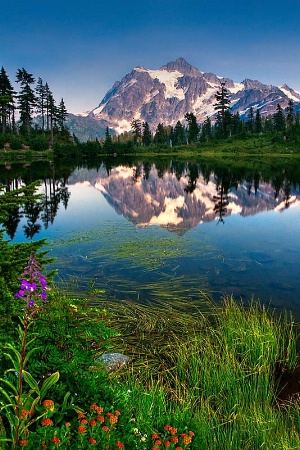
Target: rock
113	361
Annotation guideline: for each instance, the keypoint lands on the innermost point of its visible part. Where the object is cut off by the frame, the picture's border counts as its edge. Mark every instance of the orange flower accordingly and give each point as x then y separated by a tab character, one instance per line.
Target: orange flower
179	448
155	448
48	403
186	439
55	440
93	423
101	419
105	428
92	441
173	430
81	415
67	424
83	422
117	413
155	436
81	430
46	422
113	419
24	413
167	443
191	433
99	410
174	439
157	442
94	406
23	443
119	444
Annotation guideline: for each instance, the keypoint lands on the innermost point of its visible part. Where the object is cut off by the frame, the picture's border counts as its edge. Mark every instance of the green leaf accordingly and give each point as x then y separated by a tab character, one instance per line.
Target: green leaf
13	388
28	355
48	383
31	381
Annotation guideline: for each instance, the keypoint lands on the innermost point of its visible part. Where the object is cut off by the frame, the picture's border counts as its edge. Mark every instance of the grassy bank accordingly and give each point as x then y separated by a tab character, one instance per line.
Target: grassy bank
195	380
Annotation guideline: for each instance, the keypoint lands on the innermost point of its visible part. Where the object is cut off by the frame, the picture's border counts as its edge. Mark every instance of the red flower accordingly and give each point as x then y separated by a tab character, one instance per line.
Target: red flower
81	415
155	436
119	444
55	440
92	441
67	424
46	422
48	403
105	428
83	422
101	419
93	423
174	439
82	430
23	443
167	443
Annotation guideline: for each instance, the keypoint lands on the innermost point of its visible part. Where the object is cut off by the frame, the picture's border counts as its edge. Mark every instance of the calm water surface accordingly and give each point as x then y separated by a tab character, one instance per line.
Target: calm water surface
168	229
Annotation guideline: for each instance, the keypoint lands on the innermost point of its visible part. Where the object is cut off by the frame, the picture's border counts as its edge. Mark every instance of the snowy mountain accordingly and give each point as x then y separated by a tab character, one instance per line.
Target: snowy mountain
165	95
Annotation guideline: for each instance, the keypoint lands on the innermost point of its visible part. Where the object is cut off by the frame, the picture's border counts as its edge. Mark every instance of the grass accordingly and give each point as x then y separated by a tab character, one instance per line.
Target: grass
213	373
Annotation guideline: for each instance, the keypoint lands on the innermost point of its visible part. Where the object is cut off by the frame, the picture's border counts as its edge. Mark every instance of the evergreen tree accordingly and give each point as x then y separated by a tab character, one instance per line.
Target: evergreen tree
26	98
146	135
193	127
279	119
258	122
41	100
179	137
222	107
136	130
250	122
108	145
6	98
206	131
62	115
290	114
236	124
160	136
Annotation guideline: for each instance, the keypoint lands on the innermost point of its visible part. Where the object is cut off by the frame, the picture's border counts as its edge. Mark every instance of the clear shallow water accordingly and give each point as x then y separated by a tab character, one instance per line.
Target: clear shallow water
146	232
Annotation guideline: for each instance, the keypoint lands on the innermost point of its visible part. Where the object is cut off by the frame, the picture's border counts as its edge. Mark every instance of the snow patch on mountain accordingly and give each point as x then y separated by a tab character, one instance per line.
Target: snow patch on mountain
169	79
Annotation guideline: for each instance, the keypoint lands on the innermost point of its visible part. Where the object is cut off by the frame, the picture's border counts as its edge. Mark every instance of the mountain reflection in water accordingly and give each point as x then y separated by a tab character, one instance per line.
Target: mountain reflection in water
218	213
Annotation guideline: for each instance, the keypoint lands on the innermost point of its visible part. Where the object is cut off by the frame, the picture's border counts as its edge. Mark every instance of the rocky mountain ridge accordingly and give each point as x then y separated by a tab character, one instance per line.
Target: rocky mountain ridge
165	95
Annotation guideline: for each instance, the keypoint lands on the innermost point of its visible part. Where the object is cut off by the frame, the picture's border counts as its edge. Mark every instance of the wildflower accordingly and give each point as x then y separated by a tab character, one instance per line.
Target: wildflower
167	443
46	422
83	422
55	440
178	448
101	418
157	442
191	433
93	406
24	413
67	424
155	436
74	307
23	442
186	439
92	441
81	415
81	430
113	419
119	444
117	413
49	404
93	423
105	428
174	439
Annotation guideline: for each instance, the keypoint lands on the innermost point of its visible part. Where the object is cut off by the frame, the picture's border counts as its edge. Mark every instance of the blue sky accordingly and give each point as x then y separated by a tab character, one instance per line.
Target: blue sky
82	47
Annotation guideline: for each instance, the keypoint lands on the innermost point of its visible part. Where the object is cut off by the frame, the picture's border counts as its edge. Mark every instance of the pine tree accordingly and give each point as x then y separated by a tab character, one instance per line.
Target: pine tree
26	98
108	145
206	132
160	136
279	119
179	137
193	127
222	107
136	130
258	122
62	115
41	100
290	114
6	98
146	135
250	122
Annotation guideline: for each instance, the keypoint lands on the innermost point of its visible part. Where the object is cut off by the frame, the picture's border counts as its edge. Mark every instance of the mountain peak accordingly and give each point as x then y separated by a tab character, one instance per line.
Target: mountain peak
182	66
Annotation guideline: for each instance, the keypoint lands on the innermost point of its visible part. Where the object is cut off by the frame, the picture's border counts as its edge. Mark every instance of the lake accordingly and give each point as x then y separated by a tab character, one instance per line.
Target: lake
153	229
